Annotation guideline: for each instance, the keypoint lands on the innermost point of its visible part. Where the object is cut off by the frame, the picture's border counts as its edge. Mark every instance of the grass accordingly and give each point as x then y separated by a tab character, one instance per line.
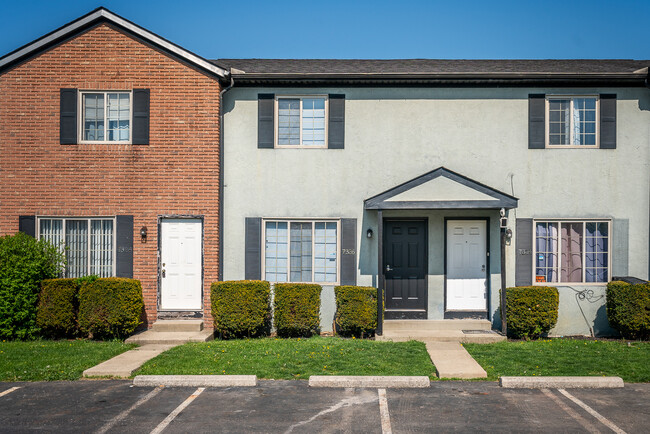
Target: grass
573	357
271	358
53	360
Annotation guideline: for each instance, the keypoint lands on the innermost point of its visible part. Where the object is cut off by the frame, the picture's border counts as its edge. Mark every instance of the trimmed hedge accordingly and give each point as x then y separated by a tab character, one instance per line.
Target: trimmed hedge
531	311
296	308
24	263
241	308
628	309
57	308
356	310
110	307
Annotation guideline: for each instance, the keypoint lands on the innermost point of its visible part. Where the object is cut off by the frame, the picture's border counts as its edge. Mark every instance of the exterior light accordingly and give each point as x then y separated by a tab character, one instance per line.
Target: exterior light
369	233
143	234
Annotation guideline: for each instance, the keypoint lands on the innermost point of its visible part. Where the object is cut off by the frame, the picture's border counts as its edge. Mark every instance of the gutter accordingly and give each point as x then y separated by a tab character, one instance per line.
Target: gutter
221	176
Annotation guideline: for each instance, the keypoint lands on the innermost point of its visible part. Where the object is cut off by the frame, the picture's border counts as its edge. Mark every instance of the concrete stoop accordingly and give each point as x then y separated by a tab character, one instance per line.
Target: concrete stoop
465	331
173	332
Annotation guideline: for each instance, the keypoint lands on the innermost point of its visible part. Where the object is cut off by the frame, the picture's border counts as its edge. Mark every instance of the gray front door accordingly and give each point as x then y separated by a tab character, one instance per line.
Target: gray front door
405	264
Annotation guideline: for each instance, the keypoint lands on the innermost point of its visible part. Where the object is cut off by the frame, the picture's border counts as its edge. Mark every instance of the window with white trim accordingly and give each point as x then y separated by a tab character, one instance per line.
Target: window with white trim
105	117
572	121
301	251
89	243
572	251
301	121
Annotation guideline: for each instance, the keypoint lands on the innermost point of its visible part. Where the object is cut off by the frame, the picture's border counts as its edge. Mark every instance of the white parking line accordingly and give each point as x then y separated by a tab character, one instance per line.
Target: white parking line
177	411
383	412
111	423
592	412
585	423
8	391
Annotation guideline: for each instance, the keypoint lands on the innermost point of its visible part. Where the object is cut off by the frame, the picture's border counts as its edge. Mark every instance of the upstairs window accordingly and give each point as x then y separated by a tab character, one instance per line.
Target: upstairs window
572	121
105	117
301	121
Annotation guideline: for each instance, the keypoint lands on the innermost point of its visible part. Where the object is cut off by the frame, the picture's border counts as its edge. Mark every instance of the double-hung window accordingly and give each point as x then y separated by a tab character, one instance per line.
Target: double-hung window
105	117
301	251
572	121
301	121
89	243
572	251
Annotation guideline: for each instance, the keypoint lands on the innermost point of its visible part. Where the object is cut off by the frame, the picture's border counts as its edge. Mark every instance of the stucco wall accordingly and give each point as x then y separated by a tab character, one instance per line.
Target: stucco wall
393	135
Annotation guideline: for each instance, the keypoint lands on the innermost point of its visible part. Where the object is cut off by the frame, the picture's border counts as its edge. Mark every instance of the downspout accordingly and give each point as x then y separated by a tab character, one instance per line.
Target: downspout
221	177
647	84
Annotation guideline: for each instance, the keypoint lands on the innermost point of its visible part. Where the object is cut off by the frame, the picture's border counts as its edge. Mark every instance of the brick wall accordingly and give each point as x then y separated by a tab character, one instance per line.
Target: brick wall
176	173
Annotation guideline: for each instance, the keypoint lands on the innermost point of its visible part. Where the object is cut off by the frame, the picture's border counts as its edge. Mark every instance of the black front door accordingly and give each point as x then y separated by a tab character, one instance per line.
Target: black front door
405	264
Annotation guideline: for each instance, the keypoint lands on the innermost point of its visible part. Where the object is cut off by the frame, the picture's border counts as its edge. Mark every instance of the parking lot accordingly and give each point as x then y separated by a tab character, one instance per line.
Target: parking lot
291	406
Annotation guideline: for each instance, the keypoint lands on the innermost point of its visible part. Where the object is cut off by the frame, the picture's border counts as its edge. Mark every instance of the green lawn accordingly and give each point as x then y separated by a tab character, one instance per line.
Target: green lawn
271	358
53	360
565	357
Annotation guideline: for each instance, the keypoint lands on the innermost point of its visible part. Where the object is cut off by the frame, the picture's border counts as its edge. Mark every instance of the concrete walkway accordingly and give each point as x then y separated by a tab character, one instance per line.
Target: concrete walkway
125	364
452	360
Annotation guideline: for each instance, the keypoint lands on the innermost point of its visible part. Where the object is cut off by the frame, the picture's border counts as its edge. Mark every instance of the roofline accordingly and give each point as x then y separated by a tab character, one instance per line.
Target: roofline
102	14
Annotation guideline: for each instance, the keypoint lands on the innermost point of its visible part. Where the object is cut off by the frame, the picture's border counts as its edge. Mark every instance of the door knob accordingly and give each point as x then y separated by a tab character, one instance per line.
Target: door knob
163	273
388	268
482	267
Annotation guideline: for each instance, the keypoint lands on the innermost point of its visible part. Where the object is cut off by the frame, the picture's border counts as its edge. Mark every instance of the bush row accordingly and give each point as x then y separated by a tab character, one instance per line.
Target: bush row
104	308
243	309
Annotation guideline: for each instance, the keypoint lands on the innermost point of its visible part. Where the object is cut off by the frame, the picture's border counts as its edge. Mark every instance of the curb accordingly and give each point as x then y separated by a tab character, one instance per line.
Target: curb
560	382
196	380
368	381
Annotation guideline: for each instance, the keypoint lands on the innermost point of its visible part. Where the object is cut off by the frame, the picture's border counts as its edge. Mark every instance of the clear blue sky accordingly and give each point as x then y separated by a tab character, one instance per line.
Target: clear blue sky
381	29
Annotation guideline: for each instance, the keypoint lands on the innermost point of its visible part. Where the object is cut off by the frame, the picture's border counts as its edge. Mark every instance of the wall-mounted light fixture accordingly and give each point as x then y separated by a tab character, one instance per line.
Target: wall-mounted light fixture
369	233
143	234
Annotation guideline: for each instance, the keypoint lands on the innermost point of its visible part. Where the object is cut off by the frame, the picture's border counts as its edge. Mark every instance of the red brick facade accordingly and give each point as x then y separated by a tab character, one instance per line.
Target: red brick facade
177	173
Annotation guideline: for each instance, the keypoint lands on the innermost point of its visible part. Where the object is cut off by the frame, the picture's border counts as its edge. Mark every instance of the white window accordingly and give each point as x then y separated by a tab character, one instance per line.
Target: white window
301	121
89	243
105	117
572	121
572	251
301	251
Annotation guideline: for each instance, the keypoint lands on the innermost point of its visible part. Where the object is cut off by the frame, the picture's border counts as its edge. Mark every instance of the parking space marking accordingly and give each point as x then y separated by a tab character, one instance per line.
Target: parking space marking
8	391
592	412
162	425
581	420
383	411
111	423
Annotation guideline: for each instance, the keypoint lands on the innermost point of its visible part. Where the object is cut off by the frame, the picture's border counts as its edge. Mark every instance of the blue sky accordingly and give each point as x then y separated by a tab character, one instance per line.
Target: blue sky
364	29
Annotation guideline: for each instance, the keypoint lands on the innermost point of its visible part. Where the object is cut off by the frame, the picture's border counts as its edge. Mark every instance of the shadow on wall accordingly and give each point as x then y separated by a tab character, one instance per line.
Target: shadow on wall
601	323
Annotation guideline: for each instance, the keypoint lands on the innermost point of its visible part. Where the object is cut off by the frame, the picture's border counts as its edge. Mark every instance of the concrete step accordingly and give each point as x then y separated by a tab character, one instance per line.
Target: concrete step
485	337
445	324
178	325
170	338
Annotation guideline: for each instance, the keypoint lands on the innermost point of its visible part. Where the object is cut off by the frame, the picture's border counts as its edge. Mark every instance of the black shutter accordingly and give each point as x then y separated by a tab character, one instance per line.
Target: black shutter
536	121
265	120
68	117
124	254
608	121
348	251
140	117
253	257
27	225
336	124
524	252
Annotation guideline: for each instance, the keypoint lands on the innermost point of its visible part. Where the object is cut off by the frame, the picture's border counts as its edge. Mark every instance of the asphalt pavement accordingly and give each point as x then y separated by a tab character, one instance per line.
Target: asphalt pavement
116	406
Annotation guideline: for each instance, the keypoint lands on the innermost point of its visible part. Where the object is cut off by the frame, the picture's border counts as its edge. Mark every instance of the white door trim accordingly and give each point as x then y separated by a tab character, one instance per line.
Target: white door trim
161	218
486	222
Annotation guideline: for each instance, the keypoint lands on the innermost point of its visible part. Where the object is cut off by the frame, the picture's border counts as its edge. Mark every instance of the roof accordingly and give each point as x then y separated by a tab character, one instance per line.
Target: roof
586	71
103	15
441	189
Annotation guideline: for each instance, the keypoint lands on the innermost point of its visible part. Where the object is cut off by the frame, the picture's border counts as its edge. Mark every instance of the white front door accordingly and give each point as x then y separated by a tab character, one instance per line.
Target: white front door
180	264
466	265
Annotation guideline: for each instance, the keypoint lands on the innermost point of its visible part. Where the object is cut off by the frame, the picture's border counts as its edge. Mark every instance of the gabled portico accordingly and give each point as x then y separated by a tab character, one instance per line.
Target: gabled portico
433	241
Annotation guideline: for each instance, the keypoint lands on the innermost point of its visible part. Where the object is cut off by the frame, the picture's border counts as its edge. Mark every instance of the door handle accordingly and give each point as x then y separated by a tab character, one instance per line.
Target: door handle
388	268
163	273
482	267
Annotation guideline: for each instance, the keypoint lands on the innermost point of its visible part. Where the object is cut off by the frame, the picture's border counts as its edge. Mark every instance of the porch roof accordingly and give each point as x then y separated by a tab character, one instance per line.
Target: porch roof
441	189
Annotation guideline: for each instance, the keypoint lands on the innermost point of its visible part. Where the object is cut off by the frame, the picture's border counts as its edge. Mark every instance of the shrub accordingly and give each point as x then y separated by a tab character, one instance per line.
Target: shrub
110	307
57	308
24	263
531	311
296	308
241	308
628	309
356	310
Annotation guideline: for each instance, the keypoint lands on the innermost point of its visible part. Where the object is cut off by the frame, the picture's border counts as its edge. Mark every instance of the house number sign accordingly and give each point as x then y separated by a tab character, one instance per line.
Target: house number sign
525	251
348	251
124	249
